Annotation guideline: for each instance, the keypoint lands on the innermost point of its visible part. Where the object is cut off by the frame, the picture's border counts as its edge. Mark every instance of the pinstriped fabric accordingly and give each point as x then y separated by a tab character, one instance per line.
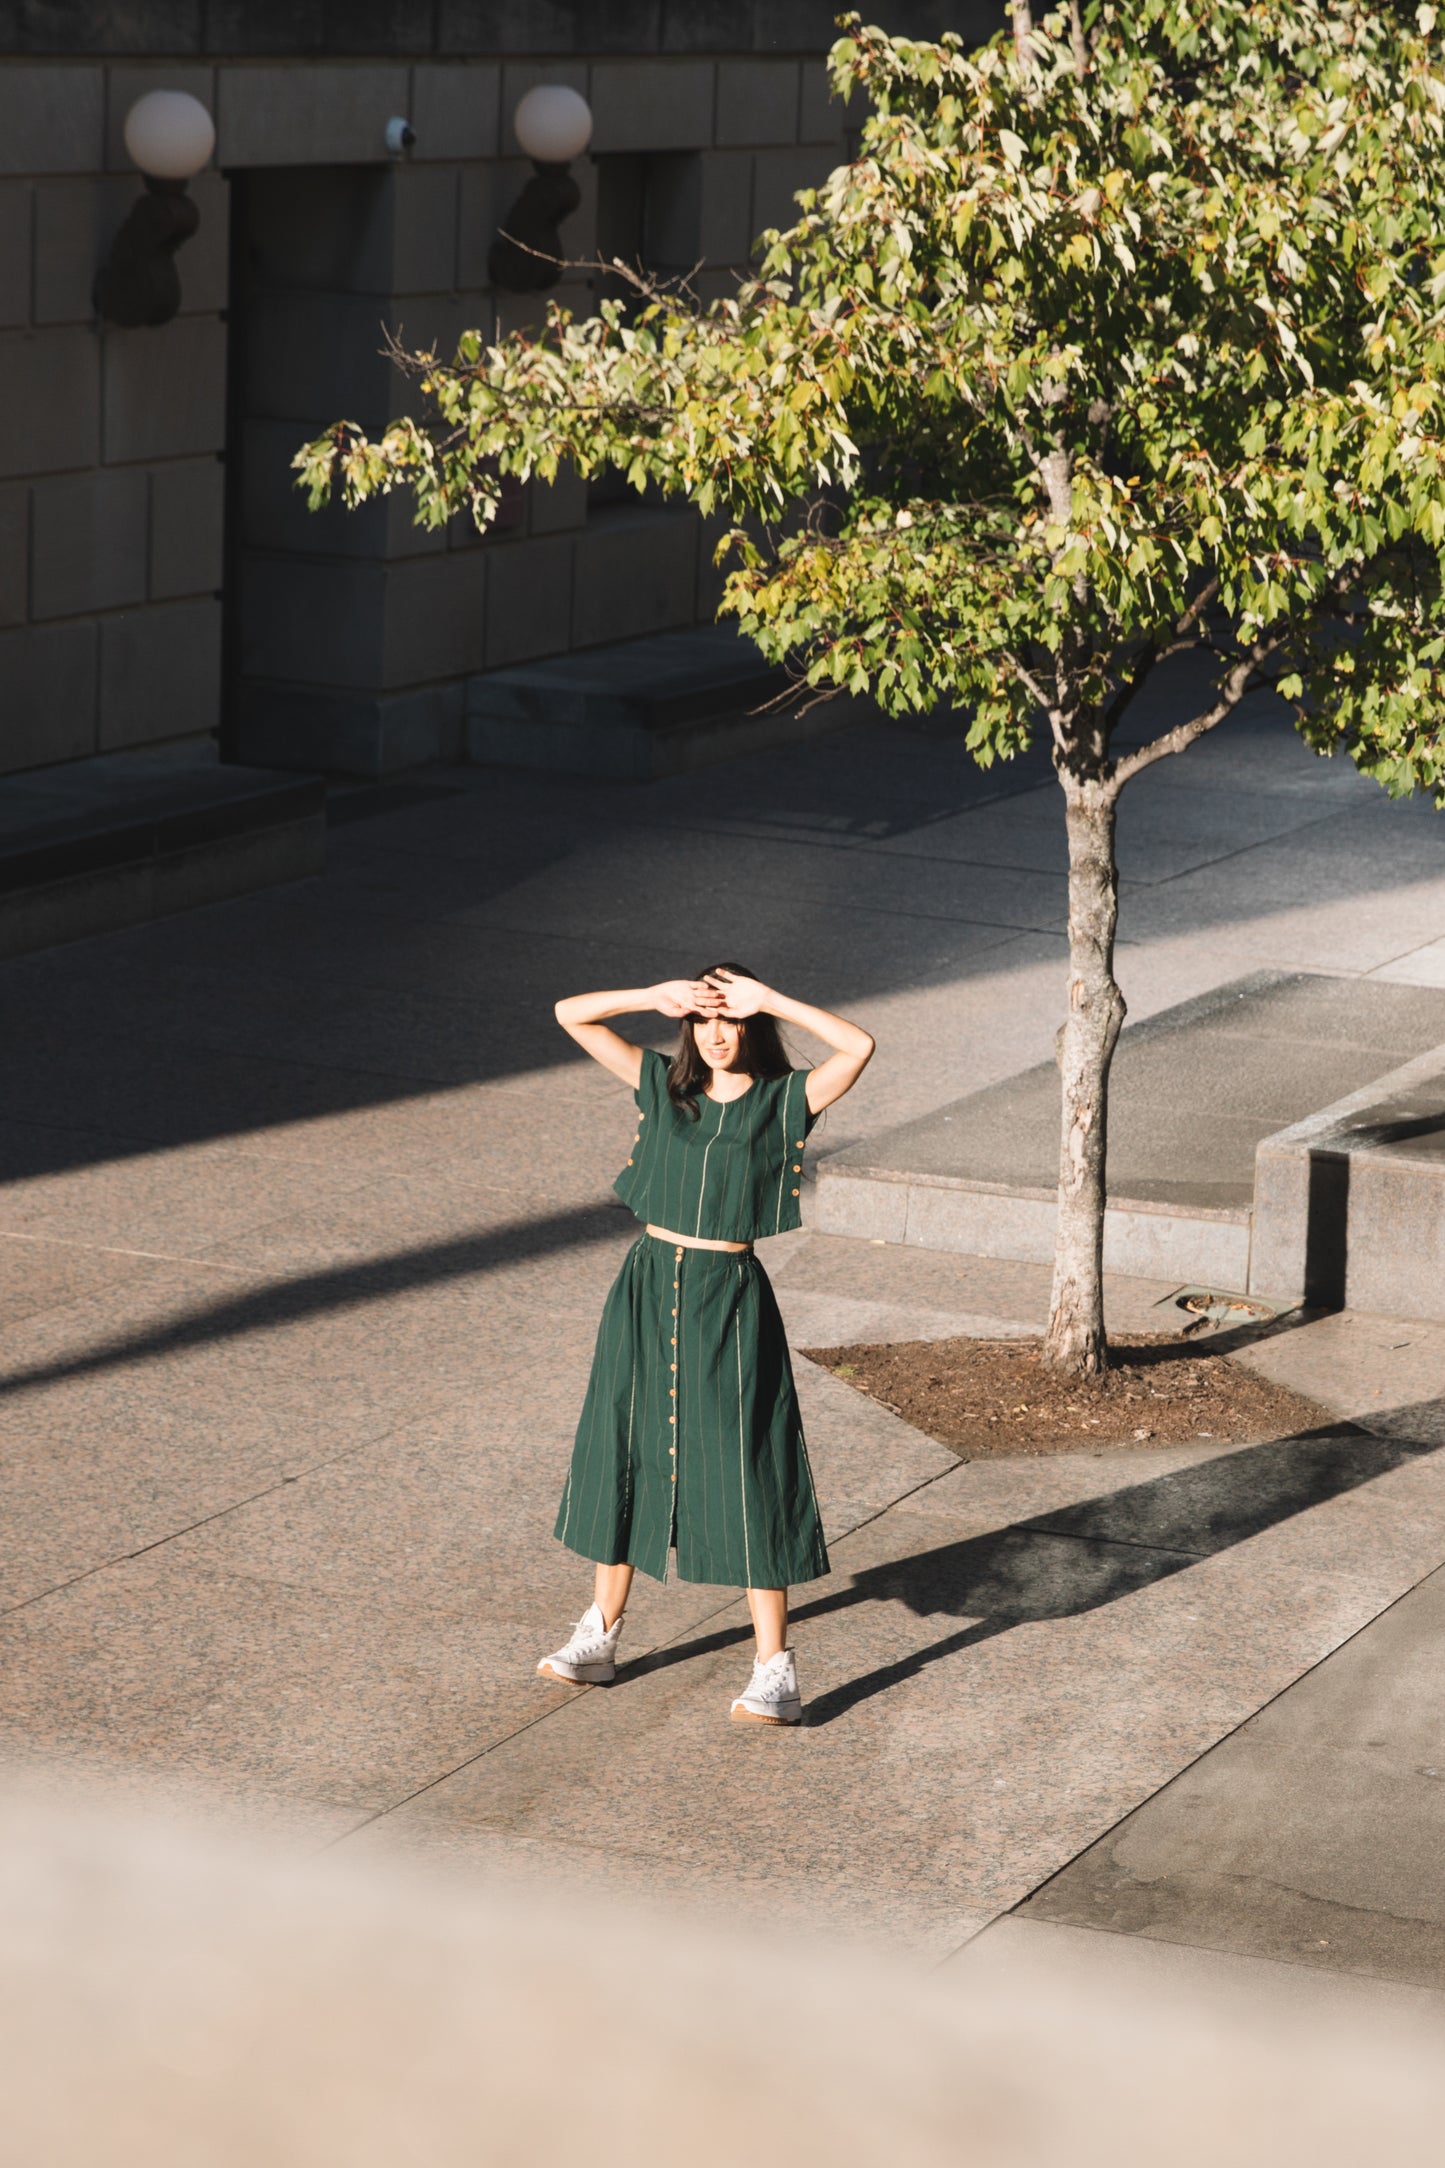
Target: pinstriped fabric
732	1175
742	1513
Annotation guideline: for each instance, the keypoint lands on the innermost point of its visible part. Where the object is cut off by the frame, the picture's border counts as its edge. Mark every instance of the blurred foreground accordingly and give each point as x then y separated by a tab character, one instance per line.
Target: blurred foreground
174	1995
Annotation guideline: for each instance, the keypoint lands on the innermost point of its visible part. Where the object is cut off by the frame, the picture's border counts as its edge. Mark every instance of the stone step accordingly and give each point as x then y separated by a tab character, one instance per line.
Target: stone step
1349	1204
103	843
663	705
1197	1091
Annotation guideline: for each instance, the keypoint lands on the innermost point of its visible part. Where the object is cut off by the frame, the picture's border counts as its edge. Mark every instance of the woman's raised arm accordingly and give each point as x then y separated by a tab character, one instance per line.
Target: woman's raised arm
852	1045
580	1016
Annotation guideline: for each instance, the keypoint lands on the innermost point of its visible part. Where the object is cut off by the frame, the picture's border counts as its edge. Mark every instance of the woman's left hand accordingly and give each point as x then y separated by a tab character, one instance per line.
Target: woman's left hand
741	997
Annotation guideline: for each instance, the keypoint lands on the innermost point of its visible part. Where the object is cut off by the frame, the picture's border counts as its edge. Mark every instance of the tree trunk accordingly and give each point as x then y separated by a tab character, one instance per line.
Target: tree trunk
1076	1339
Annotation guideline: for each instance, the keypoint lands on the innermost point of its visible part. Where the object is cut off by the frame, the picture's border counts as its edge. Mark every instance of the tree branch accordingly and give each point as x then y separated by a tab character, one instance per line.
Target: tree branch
1052	711
1078	42
1139	676
1235	686
1196	608
1027	679
1184	640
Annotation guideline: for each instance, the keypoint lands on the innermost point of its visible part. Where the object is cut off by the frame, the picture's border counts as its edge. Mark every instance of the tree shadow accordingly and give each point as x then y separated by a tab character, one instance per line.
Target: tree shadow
1406	1131
429	956
1075	1559
336	1288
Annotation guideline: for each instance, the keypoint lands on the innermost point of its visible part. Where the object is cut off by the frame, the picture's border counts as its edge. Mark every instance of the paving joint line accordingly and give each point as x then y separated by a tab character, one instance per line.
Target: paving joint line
114	1249
1007	930
1209	1949
1193	1762
544	1716
880	847
234	1505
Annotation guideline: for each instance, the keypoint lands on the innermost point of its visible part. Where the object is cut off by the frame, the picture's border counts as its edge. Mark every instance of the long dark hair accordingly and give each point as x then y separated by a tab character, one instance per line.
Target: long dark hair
761	1052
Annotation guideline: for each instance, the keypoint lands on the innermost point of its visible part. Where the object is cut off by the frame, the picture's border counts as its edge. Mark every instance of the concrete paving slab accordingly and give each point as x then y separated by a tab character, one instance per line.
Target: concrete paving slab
1389	1373
1312	1836
1160	834
1194	1092
1017	1946
861	886
394	1215
138	1484
38	1276
1003	1686
843	1321
1422	966
418	1362
1260	918
913	1279
988	1494
177	1204
240	1658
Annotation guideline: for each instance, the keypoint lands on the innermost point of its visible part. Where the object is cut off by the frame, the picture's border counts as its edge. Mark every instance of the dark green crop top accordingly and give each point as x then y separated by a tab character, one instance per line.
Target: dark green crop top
732	1175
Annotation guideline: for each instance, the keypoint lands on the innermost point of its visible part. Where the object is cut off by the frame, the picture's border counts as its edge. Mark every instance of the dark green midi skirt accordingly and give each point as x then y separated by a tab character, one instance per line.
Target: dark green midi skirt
690	1434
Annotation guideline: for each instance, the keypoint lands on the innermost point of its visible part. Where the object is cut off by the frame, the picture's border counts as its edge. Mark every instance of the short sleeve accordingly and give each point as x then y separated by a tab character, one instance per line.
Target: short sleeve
800	1116
652	1083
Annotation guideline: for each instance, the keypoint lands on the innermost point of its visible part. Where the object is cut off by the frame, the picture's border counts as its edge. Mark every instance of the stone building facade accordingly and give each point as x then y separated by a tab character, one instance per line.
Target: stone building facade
160	578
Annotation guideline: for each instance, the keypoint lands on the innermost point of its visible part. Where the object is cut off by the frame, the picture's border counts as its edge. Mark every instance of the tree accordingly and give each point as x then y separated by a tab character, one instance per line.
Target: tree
1121	338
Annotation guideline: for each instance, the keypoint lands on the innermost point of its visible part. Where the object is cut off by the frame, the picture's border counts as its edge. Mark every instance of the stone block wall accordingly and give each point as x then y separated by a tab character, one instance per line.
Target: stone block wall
159	577
111	474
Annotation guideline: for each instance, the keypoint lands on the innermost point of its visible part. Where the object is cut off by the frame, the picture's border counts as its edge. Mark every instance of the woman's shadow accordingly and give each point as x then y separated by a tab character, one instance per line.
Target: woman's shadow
1077	1558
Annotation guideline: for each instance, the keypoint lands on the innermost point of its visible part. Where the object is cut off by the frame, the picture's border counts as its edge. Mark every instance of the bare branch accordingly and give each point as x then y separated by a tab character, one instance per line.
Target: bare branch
1188	646
1196	608
1186	640
1235	686
1027	679
667	291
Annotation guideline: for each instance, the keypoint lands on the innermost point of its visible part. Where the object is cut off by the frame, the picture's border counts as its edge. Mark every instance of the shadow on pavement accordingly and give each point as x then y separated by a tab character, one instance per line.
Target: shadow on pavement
1073	1560
342	1287
429	956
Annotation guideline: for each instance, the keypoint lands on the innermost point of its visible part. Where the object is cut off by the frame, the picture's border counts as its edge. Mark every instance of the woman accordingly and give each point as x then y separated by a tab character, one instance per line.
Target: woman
690	1436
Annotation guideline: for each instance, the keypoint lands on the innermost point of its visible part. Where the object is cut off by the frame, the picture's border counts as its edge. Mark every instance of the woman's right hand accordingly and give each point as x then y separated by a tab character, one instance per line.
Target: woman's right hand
685	997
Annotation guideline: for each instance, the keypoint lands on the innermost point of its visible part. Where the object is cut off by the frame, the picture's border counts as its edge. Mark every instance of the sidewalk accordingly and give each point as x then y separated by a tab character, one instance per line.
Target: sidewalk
305	1238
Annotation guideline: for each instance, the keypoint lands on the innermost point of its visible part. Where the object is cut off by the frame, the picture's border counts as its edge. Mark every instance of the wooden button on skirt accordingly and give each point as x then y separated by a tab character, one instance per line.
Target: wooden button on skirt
690	1435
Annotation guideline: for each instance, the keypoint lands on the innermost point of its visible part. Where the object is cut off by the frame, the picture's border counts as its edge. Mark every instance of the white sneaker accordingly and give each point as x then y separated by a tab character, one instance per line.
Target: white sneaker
585	1660
771	1695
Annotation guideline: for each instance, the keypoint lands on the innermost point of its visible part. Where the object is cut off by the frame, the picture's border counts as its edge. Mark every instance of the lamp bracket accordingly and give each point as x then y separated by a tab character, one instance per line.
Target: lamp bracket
526	256
138	283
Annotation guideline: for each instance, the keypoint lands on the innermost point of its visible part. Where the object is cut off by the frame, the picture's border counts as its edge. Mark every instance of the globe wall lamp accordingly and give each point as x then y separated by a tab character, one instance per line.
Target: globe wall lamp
169	135
553	124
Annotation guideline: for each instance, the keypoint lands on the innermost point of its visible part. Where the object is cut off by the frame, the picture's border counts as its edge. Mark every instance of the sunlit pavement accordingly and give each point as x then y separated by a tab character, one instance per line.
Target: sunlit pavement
306	1231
